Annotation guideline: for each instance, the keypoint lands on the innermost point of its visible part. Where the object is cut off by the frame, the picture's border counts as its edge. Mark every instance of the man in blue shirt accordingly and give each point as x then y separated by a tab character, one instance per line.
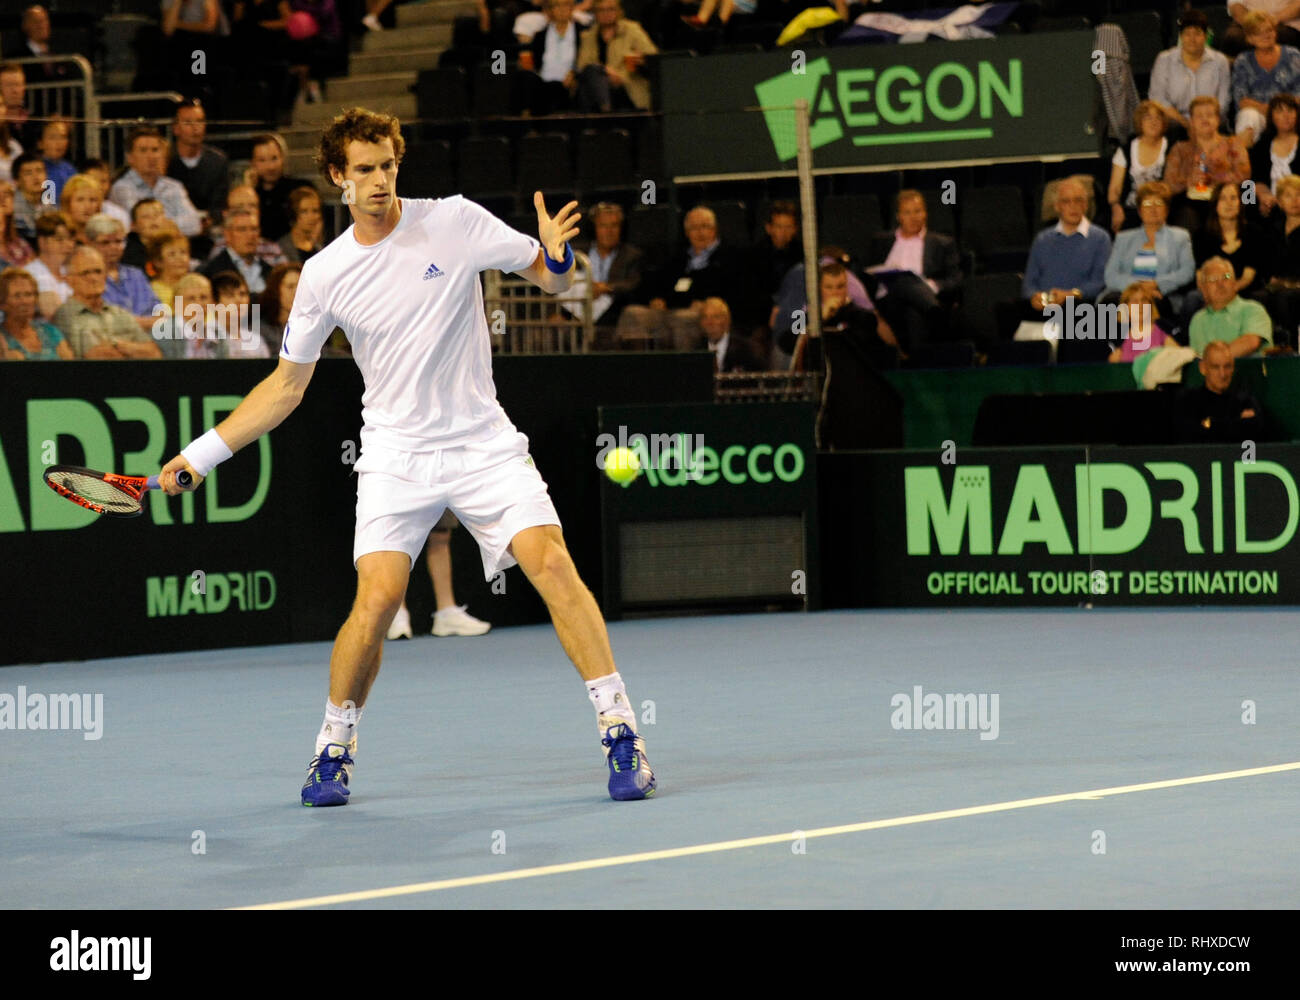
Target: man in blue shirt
1066	261
146	153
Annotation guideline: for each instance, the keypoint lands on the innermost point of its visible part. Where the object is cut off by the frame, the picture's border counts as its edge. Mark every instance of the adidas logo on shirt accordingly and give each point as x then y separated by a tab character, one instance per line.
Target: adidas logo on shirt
432	272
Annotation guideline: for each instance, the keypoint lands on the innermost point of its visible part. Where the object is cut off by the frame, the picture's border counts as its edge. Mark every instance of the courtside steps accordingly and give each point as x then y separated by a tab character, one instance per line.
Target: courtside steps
381	75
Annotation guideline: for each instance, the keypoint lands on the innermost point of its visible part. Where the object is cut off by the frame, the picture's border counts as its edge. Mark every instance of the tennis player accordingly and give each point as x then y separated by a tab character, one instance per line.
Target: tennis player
403	284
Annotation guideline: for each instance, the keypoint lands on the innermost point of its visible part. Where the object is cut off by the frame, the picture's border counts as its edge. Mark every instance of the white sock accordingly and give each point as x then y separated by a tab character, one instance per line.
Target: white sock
612	705
340	726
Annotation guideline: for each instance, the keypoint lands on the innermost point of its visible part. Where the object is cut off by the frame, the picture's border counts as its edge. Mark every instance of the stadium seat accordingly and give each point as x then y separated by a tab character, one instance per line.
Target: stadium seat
491	92
993	226
605	161
849	221
981	294
483	167
426	170
656	229
442	94
1145	37
1020	352
733	222
465	32
939	216
544	165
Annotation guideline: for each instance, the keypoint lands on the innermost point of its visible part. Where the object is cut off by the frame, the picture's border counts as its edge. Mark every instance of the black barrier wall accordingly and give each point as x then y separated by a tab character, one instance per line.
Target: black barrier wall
263	551
1174	526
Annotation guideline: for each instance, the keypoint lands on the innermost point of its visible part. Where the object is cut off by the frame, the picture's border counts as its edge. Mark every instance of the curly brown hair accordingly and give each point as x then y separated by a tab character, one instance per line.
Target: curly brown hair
361	125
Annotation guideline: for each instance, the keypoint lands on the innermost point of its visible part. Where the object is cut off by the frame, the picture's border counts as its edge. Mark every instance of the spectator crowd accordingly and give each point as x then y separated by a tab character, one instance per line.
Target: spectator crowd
162	258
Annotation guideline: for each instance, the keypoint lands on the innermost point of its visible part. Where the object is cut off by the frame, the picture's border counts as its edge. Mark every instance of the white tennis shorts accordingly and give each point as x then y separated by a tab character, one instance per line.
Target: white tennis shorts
492	486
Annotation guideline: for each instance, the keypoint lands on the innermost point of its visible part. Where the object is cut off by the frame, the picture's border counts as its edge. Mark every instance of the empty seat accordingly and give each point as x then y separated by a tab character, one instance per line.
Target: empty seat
655	229
426	170
483	166
733	222
993	225
442	93
544	163
1020	352
1145	37
491	92
849	221
981	294
605	161
940	215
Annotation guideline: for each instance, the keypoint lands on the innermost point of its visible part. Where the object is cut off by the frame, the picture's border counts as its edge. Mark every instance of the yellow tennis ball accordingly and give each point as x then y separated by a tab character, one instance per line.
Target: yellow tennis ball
622	466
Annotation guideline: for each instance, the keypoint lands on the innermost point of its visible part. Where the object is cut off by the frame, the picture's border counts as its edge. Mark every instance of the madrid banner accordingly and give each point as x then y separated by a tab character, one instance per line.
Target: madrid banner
873	106
262	552
1208	524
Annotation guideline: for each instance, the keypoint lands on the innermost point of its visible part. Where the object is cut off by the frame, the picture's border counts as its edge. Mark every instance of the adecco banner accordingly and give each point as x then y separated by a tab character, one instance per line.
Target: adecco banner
1106	526
877	105
726	492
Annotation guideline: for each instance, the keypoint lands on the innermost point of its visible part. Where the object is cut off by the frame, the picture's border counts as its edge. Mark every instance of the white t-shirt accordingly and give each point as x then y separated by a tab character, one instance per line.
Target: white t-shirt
412	309
46	281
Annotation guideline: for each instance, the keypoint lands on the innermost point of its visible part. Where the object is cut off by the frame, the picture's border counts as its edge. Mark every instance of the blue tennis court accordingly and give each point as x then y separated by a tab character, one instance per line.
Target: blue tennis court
787	778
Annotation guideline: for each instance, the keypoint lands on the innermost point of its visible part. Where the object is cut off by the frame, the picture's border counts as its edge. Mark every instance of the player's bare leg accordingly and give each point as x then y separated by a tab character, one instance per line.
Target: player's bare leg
354	665
545	560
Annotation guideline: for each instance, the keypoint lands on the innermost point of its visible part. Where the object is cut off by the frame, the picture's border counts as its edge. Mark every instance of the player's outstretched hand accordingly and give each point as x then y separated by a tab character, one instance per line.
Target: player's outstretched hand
167	478
554	233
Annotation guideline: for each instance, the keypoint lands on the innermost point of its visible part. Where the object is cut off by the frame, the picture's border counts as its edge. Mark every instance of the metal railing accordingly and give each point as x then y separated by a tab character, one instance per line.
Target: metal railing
525	320
76	100
767	387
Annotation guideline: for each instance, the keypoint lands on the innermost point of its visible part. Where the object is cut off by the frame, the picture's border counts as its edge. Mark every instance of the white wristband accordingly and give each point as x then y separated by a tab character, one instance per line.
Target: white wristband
207	452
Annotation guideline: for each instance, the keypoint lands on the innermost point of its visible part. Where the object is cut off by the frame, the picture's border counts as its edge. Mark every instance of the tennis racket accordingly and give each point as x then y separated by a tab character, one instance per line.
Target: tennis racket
105	492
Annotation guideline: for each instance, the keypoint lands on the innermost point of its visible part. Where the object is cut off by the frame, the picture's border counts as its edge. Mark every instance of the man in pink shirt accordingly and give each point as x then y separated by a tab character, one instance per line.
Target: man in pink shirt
918	276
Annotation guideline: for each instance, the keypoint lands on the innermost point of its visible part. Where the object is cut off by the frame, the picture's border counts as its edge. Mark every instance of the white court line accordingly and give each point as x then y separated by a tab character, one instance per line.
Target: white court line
775	838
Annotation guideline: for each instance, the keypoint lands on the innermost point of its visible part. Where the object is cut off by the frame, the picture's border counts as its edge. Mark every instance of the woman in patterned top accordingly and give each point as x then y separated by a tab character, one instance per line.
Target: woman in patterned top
1202	161
1145	162
25	337
1256	76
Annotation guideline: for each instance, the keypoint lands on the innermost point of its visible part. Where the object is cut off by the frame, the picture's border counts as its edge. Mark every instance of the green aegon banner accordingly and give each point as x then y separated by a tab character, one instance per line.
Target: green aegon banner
1065	526
879	105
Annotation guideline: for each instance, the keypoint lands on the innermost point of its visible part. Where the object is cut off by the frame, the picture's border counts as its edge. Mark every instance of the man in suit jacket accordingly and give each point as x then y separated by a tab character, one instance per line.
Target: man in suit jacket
703	269
920	275
243	233
615	265
731	352
34	41
610	56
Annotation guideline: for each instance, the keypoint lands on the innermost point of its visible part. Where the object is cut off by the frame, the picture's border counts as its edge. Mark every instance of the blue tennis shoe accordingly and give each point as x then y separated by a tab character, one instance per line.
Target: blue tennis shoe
630	776
328	776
